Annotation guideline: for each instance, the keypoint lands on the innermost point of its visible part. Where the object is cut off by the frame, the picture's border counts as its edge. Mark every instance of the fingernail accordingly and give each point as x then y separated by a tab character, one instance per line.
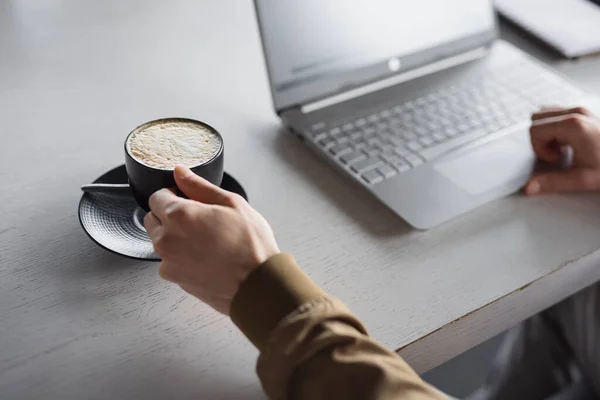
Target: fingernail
533	188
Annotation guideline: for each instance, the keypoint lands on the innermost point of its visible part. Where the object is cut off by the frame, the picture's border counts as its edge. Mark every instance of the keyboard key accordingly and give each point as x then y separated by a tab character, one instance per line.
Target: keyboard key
505	122
414	145
432	126
382	126
343	139
371	151
318	126
351	157
438	136
492	127
374	140
421	130
386	171
391	157
372	177
337	134
327	142
395	141
463	127
388	153
432	96
401	165
347	127
355	139
402	151
444	121
475	123
359	144
426	141
388	147
409	136
369	131
451	131
414	160
396	127
366	164
340	149
381	144
320	136
356	135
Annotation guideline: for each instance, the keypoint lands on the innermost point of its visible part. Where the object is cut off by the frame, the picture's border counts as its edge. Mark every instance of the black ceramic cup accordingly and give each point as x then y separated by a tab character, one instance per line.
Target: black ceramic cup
144	180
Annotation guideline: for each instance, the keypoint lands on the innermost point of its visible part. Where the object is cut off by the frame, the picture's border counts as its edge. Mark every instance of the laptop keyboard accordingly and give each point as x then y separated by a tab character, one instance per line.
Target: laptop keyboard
386	142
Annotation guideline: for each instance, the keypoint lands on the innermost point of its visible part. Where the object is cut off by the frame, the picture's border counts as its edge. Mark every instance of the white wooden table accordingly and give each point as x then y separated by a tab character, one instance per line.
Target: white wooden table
77	322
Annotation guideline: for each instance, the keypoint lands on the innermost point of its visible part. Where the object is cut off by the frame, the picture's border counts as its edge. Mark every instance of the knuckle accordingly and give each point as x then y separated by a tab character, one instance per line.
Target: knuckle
235	200
152	197
156	195
582	111
161	244
177	212
576	122
228	199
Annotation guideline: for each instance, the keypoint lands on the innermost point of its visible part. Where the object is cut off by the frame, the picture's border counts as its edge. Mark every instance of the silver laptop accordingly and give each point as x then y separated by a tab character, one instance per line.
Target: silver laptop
417	101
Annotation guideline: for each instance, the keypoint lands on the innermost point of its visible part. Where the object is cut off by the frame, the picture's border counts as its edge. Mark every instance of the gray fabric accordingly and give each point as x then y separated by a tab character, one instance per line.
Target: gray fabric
554	355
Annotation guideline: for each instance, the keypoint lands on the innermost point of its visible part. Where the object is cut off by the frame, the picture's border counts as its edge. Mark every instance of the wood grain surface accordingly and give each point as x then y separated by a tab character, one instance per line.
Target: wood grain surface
77	322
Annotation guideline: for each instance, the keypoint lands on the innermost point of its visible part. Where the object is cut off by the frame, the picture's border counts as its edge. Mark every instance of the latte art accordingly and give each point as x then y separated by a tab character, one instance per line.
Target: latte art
166	144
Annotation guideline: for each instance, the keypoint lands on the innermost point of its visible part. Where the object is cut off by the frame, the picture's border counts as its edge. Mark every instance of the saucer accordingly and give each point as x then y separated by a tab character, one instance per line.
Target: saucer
116	222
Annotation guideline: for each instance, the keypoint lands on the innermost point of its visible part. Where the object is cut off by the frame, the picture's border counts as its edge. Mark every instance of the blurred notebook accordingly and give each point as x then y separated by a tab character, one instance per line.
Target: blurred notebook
570	26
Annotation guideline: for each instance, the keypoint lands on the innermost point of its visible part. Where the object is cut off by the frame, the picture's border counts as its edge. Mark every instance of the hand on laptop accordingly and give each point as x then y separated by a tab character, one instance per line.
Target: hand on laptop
553	131
210	243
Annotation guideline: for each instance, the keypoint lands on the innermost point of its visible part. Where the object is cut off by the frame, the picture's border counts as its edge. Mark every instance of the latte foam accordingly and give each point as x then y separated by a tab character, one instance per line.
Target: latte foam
166	144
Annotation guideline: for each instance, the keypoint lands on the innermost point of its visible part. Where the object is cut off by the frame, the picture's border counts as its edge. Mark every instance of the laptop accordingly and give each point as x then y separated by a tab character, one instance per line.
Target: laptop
418	102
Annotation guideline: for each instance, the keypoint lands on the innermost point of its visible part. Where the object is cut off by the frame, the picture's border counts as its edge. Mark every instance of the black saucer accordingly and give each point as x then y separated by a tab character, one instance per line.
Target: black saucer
116	222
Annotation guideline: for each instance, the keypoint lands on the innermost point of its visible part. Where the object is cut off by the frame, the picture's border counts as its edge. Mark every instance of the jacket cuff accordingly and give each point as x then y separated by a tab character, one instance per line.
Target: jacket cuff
271	292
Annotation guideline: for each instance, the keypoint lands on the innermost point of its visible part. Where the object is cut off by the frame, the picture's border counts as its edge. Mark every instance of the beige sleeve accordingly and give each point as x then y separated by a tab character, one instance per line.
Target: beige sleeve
312	346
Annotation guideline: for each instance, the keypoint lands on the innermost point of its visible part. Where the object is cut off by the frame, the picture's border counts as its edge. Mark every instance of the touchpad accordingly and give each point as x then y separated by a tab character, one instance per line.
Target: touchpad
488	166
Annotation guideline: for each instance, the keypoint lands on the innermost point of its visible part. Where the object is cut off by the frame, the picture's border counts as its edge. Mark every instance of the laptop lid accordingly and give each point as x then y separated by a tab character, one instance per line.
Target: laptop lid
315	49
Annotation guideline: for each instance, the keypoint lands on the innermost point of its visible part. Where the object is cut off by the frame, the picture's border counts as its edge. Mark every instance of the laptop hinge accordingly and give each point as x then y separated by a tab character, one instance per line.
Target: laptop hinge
437	66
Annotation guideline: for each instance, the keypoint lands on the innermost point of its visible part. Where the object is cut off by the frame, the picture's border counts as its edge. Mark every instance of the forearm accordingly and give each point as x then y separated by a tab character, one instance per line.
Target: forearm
312	346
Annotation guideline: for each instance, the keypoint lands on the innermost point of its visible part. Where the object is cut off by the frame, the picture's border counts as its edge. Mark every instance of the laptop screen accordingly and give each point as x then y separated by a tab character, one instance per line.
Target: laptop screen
309	42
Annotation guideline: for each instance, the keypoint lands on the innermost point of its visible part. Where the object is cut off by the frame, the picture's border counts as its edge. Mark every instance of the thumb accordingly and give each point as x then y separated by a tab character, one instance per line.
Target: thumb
197	188
574	180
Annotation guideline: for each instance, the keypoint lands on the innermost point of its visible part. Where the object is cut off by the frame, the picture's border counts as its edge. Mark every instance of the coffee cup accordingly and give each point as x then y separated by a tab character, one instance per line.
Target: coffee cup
153	149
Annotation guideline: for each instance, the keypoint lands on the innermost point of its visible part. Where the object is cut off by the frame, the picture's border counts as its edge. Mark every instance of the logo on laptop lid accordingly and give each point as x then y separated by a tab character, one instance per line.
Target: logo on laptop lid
394	64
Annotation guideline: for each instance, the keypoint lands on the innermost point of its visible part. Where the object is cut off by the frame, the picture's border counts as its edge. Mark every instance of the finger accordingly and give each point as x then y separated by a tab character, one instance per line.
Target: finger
545	148
152	224
550	112
161	201
575	180
545	110
548	134
199	189
551	152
